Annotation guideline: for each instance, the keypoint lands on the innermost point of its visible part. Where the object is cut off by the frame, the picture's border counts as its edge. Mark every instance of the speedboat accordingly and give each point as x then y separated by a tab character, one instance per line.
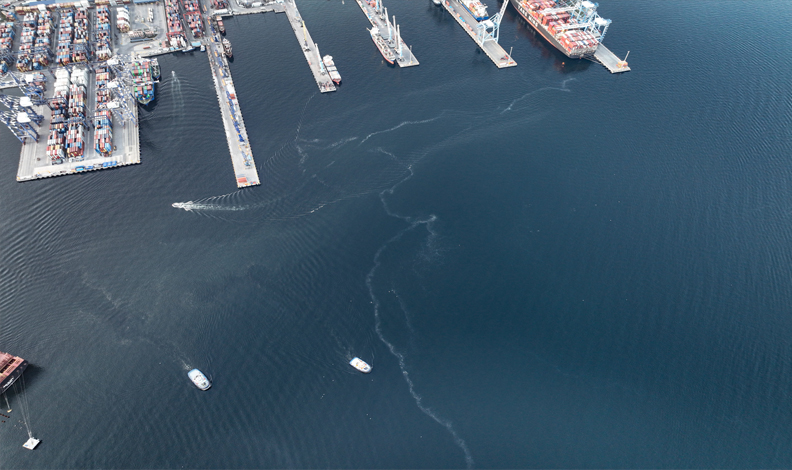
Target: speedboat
199	380
360	365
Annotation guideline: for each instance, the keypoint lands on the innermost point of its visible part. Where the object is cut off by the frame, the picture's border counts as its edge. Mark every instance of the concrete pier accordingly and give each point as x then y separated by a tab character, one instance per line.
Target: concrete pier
494	51
388	32
607	58
236	134
323	80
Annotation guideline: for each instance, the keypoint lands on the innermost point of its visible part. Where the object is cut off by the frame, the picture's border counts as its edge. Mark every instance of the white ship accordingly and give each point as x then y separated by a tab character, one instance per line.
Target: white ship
360	365
476	8
199	380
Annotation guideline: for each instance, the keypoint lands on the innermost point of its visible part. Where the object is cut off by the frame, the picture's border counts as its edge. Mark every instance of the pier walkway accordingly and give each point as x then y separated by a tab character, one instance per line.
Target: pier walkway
309	48
494	51
236	134
609	60
388	32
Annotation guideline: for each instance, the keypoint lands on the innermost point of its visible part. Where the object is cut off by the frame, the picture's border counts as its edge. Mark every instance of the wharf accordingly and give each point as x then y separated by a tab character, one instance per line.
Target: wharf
494	51
236	134
35	164
309	48
607	58
381	22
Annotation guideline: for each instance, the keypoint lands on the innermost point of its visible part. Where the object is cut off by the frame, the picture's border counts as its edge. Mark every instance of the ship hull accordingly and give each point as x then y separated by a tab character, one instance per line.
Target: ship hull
8	381
379	48
543	31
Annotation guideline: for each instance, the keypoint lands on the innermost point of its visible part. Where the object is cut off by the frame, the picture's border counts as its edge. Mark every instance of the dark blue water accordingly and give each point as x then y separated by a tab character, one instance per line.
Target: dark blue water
548	266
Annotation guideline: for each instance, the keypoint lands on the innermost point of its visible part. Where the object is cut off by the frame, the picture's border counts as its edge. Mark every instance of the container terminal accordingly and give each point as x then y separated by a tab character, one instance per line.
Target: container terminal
387	35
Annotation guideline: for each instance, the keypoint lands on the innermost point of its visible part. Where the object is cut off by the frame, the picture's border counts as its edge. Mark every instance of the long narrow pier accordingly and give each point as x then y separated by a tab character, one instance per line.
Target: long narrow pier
238	144
309	48
380	20
610	61
494	51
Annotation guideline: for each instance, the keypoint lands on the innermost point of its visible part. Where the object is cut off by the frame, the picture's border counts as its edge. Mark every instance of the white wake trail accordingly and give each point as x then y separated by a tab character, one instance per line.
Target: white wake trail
405	123
399	356
562	88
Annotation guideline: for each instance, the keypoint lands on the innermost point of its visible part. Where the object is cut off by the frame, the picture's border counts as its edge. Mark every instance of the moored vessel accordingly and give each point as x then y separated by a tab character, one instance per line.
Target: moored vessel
155	69
227	48
572	26
360	365
475	8
199	379
143	89
386	51
331	69
11	368
220	25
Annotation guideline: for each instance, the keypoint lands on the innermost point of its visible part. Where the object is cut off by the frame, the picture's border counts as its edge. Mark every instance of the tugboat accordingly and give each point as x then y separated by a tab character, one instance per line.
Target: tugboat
360	365
227	48
155	69
199	380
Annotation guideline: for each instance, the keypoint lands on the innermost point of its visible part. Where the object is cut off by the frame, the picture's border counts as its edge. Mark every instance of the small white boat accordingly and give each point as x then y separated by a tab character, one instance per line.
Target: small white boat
31	443
199	380
436	2
360	365
203	47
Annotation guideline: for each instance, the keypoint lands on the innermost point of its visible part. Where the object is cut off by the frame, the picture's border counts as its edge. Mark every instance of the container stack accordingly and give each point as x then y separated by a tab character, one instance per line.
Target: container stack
562	26
103	51
80	49
122	19
220	4
175	30
103	118
6	44
65	37
193	15
24	61
143	88
43	46
56	140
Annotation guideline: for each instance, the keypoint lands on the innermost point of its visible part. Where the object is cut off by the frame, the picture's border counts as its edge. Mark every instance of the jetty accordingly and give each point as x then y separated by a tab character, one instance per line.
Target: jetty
485	33
607	58
309	48
377	15
238	144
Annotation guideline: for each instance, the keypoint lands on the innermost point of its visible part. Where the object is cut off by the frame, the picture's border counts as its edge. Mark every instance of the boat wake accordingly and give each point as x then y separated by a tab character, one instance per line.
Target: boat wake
405	123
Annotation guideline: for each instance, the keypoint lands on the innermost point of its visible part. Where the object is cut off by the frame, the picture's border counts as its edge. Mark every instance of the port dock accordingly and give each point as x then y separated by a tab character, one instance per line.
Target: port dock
309	48
378	17
236	134
478	32
607	58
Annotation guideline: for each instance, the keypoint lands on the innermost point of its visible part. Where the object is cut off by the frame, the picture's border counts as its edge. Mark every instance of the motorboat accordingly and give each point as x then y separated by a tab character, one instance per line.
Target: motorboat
199	379
360	365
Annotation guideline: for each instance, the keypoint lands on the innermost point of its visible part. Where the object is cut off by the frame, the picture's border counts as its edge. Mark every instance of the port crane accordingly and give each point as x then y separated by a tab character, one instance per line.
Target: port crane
489	29
20	117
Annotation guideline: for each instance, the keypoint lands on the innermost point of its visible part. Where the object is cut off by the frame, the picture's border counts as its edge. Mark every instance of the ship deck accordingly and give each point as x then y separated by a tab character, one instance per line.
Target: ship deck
607	58
238	143
494	51
406	58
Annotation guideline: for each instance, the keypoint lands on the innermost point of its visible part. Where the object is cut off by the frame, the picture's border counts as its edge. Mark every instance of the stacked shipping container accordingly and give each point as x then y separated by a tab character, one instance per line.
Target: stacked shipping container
562	26
6	44
103	51
143	88
103	118
193	16
80	49
42	45
24	62
175	29
122	19
56	141
65	37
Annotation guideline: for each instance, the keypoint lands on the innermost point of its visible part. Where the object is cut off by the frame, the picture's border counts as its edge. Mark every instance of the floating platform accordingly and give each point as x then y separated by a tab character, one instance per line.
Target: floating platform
607	58
31	443
494	51
236	134
309	48
381	22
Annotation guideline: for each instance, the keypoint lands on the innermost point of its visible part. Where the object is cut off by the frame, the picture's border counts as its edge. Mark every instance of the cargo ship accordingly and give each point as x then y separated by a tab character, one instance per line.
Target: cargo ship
571	26
386	51
220	25
227	48
331	69
11	368
143	89
475	8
